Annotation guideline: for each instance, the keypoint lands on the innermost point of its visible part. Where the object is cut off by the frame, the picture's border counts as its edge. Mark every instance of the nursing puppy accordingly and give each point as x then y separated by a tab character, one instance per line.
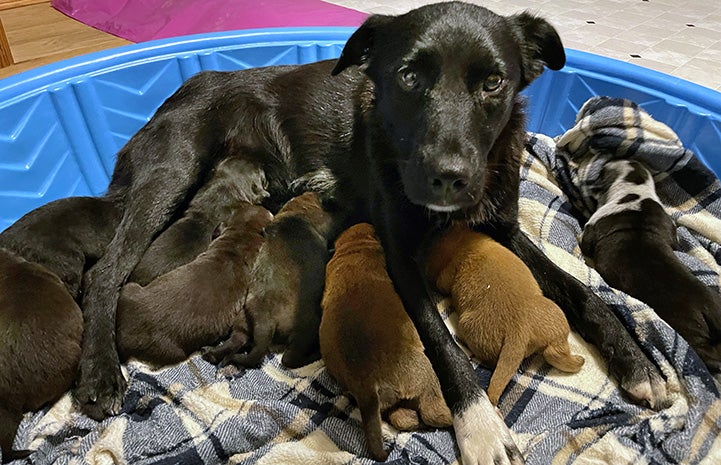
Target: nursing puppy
419	120
232	181
42	259
631	240
196	304
370	346
503	315
41	328
293	257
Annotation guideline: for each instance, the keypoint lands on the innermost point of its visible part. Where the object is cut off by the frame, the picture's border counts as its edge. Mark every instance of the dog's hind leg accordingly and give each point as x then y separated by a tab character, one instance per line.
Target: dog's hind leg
558	354
594	320
263	332
432	408
404	418
239	339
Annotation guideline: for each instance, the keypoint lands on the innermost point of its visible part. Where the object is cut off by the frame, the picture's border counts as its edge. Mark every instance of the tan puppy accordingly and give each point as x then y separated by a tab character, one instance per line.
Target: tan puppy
503	315
370	345
40	332
196	304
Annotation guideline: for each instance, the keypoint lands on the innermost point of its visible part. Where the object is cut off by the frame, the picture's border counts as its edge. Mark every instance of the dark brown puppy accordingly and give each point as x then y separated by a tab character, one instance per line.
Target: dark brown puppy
40	333
42	259
293	257
66	236
196	304
370	346
631	240
503	316
232	181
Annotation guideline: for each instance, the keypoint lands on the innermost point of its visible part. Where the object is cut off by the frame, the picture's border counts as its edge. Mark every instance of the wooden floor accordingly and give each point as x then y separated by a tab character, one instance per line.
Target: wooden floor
33	33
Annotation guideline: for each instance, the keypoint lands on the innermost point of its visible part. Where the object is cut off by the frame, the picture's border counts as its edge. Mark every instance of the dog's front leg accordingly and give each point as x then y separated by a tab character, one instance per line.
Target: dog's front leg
594	320
151	198
482	436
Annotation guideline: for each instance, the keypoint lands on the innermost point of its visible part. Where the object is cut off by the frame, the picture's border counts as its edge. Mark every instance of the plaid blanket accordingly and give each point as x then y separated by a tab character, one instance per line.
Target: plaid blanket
194	414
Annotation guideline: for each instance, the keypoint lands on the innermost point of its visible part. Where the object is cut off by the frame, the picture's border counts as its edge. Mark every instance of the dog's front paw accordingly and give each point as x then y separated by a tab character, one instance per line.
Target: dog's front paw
641	380
100	387
482	436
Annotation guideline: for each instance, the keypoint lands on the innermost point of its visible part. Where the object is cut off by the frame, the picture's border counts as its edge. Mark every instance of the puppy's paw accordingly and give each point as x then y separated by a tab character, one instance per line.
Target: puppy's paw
101	387
643	383
482	436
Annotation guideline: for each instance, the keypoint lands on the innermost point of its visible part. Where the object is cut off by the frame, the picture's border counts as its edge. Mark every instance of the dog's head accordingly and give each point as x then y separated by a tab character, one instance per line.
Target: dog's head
446	78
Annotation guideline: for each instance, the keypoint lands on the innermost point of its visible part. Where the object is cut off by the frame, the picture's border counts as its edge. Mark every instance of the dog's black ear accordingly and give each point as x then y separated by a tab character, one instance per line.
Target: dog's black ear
541	46
357	49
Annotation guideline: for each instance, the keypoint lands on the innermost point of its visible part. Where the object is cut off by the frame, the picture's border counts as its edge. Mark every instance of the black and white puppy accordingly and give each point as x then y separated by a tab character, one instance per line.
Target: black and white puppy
631	240
418	122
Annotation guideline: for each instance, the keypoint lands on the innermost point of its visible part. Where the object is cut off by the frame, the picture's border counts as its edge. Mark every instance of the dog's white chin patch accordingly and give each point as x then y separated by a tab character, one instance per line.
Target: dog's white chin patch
442	208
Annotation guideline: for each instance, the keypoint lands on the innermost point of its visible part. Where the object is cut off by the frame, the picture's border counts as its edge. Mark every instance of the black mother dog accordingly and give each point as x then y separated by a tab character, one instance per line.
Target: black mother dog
420	124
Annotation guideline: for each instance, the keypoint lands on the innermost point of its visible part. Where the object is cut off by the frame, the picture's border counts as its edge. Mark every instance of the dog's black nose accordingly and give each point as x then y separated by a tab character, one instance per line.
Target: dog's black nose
449	183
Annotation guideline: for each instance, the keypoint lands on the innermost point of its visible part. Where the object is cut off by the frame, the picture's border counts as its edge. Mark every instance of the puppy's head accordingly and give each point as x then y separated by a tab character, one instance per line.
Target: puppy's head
308	207
246	217
359	238
446	77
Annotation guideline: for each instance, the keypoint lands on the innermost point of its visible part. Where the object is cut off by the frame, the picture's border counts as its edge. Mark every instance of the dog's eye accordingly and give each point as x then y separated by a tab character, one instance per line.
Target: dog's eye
407	78
492	83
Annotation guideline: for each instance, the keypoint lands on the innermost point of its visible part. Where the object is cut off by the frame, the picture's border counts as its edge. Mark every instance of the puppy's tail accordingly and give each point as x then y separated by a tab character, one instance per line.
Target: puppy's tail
370	408
512	353
558	354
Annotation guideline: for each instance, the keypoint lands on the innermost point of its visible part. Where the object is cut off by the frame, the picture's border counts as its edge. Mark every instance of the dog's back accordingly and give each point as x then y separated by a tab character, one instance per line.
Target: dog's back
631	240
41	328
369	344
194	305
66	236
503	315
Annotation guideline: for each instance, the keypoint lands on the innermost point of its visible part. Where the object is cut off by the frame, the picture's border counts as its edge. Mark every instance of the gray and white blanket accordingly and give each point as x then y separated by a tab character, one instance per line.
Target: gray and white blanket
193	414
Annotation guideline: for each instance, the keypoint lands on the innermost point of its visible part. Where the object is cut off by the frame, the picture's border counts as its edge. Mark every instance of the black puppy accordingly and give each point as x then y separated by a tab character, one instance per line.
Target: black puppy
421	123
42	259
631	240
233	180
284	293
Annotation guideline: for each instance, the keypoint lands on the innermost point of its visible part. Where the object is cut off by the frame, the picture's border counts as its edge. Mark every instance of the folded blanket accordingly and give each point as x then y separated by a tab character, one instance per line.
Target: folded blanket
193	414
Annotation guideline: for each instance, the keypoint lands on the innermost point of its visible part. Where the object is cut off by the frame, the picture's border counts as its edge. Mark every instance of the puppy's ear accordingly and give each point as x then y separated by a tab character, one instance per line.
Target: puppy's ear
359	44
540	46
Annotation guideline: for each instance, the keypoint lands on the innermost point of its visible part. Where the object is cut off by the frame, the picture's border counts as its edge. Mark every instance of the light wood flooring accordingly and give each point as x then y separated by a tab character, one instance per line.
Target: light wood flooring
33	33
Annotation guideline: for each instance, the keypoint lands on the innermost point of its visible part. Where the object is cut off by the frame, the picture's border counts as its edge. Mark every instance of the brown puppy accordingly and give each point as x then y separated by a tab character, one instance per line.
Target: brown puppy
293	257
232	181
503	315
196	304
41	328
371	347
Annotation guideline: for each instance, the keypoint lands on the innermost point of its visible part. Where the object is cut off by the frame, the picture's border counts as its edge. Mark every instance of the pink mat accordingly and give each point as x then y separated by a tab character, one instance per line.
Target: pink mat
141	20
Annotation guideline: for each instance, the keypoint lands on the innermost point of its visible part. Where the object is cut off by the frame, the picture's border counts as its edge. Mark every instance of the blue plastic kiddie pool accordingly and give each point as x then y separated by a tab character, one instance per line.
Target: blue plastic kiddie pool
61	125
